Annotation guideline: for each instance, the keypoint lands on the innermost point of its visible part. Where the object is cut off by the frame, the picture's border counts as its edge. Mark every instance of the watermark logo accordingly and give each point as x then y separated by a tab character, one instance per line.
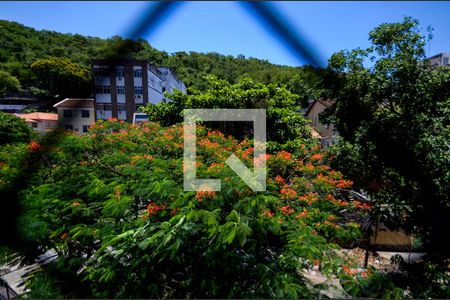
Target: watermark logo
255	179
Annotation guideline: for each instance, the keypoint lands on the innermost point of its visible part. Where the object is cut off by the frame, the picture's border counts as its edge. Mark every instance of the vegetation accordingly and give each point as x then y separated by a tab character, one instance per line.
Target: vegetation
22	46
8	83
124	227
59	76
125	222
394	118
284	123
13	130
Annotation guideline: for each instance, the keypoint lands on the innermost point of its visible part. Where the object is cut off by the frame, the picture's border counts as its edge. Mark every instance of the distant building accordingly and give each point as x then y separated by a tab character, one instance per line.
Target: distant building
75	114
40	121
327	133
441	59
16	103
122	86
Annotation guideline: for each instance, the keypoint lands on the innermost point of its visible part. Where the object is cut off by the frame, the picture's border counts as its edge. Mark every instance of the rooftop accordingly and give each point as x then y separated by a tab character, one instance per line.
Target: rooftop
76	103
326	102
38	116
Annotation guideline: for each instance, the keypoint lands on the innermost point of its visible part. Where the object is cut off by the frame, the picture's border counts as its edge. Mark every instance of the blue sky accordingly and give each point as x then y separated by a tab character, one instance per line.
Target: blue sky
225	27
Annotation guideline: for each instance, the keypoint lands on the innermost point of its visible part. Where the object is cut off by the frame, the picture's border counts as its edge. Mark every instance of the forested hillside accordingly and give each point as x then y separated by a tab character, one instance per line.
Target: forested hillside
23	48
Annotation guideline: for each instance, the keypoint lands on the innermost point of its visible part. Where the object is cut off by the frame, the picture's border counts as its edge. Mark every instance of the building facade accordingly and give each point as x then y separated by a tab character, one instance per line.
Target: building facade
327	132
122	86
16	103
75	114
39	121
440	60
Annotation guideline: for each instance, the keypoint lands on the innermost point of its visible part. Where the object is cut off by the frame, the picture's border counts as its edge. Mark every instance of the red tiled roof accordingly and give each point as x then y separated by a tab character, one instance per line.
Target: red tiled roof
39	116
76	103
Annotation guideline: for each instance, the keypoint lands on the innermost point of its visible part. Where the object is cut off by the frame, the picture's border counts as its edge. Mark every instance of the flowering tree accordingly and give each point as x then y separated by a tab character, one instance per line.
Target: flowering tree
111	204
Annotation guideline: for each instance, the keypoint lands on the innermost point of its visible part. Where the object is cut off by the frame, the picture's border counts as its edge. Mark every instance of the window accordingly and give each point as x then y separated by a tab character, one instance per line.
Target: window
121	106
101	72
86	128
68	127
67	113
103	106
119	73
138	73
85	114
120	89
138	90
34	125
102	89
446	61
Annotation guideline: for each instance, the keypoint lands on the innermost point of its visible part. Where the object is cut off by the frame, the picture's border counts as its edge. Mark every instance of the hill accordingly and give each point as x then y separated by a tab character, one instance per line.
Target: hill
21	46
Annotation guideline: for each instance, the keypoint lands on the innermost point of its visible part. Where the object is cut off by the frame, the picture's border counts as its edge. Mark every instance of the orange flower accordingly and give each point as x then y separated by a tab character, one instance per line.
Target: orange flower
112	119
286	210
279	179
359	204
288	193
303	214
65	236
310	198
201	195
76	203
247	152
154	208
261	158
34	146
284	155
215	133
268	213
216	167
316	157
343	184
309	167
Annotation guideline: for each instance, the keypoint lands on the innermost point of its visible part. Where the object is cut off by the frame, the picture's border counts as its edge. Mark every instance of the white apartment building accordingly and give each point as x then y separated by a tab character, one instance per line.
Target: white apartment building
122	86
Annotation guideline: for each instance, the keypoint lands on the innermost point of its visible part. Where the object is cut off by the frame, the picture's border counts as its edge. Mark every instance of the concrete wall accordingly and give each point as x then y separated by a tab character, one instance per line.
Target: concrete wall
44	125
77	121
327	132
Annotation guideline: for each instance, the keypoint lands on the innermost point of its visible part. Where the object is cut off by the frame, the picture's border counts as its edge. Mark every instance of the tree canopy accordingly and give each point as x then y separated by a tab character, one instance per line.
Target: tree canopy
284	123
394	117
124	227
13	130
62	77
8	83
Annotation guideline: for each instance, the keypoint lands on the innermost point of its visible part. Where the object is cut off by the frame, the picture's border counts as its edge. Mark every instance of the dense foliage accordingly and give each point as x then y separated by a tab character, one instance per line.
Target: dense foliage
21	46
8	83
13	129
284	123
394	118
60	76
124	227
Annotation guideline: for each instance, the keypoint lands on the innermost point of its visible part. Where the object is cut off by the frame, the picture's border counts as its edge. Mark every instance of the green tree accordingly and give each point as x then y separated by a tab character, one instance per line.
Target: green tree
8	83
394	117
124	226
13	130
62	77
283	122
